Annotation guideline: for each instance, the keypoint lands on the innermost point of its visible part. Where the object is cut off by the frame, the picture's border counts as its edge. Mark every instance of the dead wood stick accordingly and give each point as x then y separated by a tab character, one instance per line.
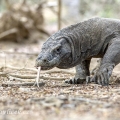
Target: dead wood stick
35	70
42	30
8	32
59	71
19	79
63	85
22	84
6	74
23	68
3	74
34	76
87	100
23	76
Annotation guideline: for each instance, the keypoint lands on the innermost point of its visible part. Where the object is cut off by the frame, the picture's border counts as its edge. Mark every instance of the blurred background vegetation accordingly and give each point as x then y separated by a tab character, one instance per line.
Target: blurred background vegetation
47	17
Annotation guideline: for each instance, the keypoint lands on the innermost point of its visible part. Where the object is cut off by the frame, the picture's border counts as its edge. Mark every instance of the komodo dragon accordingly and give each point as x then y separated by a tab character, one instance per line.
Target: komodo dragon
77	44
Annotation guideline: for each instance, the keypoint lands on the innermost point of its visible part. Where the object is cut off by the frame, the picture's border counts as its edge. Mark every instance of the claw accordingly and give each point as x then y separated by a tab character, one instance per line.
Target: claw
103	75
75	81
106	79
94	79
88	79
68	81
99	80
102	79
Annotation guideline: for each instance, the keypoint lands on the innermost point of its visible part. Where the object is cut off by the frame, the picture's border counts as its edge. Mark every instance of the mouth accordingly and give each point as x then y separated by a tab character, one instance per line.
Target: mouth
46	67
53	63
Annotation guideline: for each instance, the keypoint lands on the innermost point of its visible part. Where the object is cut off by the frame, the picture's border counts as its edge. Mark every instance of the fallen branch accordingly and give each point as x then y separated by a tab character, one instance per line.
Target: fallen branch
87	100
43	72
22	84
23	68
23	76
34	76
3	74
8	32
19	79
59	71
63	85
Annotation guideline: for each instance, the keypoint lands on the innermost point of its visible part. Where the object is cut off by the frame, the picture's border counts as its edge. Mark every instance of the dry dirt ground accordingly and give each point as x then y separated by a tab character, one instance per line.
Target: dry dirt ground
55	100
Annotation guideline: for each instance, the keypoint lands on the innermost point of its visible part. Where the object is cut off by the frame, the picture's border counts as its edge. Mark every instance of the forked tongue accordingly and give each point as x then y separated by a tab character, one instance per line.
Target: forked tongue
38	76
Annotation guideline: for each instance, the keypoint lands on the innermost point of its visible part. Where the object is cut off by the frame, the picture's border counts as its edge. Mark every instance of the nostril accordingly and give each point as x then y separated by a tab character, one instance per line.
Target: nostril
45	60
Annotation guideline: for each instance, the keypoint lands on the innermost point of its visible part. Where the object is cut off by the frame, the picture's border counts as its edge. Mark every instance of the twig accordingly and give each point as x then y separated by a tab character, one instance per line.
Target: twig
19	79
8	32
63	85
34	76
17	68
87	100
22	84
23	76
16	76
43	31
59	71
6	74
43	72
3	74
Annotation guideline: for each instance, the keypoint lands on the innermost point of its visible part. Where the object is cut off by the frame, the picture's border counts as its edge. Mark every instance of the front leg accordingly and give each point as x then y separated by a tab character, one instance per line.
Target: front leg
103	75
109	61
82	71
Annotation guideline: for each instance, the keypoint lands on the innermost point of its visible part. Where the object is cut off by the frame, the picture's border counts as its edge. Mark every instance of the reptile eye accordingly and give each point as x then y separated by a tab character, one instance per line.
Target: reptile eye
58	50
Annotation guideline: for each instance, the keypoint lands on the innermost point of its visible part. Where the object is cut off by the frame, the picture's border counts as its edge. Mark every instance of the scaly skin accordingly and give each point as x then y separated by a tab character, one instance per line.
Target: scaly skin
75	45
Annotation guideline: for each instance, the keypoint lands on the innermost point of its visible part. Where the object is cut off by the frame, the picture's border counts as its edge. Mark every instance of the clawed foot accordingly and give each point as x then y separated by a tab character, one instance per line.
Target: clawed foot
102	76
75	81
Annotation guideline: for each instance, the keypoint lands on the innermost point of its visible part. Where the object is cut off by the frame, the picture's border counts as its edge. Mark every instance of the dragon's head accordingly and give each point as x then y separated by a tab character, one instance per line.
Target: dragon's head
55	53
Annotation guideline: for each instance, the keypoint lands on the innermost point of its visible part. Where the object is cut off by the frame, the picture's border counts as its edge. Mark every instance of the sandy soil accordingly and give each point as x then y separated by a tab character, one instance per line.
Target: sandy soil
55	100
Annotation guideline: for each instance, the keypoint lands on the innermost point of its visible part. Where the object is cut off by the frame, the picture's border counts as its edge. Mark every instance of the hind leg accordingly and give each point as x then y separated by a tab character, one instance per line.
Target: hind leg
82	71
110	59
